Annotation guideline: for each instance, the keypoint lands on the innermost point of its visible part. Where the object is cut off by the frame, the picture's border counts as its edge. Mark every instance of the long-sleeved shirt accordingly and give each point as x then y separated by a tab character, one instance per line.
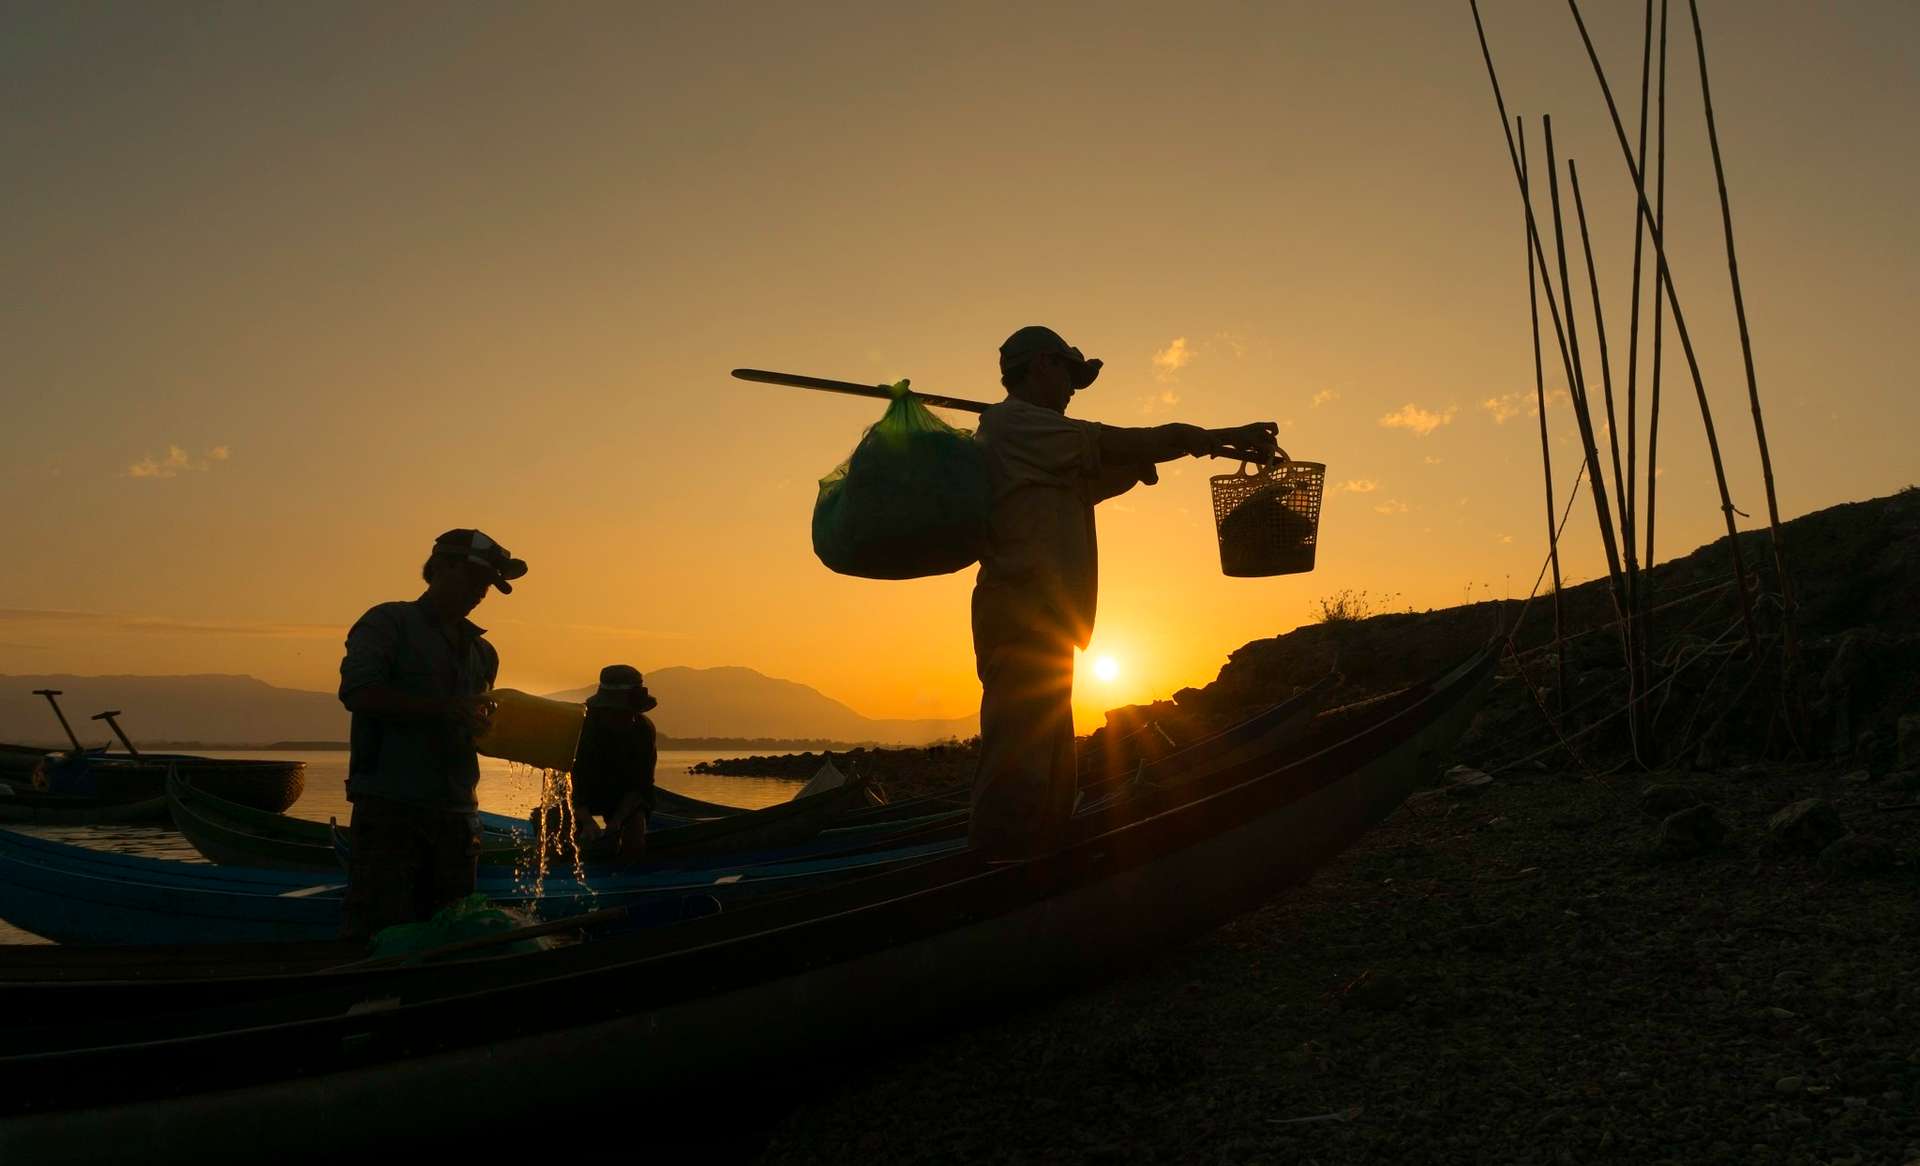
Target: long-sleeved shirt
1046	472
616	757
423	761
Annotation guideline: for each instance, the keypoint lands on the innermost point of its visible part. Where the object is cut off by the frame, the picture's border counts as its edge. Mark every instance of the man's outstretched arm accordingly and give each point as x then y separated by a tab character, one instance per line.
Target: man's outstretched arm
1123	446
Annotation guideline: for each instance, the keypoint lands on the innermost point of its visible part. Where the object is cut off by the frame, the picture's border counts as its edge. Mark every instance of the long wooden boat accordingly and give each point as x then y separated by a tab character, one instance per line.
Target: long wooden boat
674	1013
269	784
25	804
73	894
18	762
234	835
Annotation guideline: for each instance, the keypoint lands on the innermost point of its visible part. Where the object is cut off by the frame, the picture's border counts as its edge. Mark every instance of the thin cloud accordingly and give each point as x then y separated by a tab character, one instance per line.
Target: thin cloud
1360	486
1506	538
111	624
1412	417
1232	340
1170	360
1160	401
1432	461
178	461
610	631
1392	506
1324	395
1505	408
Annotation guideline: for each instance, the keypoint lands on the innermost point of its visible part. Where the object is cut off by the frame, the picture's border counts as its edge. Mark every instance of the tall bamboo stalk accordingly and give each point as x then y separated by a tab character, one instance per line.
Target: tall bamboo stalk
1606	382
1680	330
1546	449
1753	386
1533	226
1581	409
1600	330
1639	669
1659	331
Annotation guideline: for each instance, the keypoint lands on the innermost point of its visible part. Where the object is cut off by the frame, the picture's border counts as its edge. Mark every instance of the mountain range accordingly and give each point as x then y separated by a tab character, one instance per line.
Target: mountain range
736	703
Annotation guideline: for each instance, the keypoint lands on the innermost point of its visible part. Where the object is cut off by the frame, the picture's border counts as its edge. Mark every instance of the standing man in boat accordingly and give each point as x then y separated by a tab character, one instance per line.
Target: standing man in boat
415	678
1033	603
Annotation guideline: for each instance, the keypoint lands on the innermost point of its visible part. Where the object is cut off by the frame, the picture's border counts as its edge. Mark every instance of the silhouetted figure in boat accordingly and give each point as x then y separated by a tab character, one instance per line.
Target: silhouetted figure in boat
415	677
1034	601
613	767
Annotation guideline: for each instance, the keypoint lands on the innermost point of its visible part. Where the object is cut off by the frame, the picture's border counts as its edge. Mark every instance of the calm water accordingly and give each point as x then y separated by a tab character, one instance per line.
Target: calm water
504	789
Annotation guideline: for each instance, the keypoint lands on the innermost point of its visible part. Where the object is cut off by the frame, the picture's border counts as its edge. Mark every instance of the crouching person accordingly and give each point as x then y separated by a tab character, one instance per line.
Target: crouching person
613	767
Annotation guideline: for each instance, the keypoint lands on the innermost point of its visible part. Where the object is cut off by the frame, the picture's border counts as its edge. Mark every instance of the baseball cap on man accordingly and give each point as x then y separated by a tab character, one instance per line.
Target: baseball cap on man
475	547
1035	340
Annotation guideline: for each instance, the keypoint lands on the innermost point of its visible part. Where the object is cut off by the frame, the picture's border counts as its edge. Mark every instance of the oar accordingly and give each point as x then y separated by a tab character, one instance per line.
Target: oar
50	693
117	730
879	392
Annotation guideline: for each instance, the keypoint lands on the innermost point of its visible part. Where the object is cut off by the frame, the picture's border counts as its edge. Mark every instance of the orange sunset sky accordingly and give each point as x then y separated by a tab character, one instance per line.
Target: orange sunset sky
293	288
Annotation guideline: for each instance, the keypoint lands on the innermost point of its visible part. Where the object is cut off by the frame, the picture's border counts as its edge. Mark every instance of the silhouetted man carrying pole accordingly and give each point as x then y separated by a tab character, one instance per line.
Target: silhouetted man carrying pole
1033	603
415	677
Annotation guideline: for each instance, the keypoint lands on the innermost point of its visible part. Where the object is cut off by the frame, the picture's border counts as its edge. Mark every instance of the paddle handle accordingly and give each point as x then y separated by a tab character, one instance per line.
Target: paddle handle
878	392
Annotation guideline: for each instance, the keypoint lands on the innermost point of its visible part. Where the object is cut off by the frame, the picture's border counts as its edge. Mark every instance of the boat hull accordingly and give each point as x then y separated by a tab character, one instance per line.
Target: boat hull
677	1021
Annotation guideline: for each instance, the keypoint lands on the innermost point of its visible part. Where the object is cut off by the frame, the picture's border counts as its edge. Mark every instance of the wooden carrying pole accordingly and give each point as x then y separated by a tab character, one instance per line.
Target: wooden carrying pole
1680	330
878	392
1546	450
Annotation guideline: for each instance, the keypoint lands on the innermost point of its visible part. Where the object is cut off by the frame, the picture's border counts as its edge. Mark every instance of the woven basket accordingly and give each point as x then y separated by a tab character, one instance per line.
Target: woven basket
1268	518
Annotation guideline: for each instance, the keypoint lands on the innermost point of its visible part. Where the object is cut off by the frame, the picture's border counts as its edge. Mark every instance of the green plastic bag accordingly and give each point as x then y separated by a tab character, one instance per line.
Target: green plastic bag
470	918
912	500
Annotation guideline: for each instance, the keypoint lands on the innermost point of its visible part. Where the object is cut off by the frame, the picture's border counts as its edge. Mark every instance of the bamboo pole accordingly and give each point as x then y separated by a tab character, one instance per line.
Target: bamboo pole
1606	382
1600	330
1628	507
1659	332
1582	410
1546	449
1680	330
1638	669
1533	226
1753	387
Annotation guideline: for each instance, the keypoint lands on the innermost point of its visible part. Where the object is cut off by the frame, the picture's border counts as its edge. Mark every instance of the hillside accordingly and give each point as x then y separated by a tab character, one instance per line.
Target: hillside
717	702
213	707
1856	570
734	703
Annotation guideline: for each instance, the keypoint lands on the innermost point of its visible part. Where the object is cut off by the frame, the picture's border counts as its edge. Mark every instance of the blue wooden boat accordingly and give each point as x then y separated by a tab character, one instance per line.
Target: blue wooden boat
135	1054
73	894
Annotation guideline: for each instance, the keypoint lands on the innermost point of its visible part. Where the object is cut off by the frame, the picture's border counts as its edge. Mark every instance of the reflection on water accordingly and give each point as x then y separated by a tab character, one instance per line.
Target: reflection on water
505	788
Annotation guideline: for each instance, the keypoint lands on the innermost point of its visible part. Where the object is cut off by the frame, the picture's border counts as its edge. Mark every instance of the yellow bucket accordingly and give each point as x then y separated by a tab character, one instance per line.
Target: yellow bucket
533	730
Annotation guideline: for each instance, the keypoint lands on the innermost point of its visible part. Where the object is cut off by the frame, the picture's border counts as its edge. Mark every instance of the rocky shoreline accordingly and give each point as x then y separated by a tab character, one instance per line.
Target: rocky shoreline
1540	968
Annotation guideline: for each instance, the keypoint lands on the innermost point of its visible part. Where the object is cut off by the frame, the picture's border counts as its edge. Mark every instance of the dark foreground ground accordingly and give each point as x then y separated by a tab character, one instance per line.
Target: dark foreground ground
1517	974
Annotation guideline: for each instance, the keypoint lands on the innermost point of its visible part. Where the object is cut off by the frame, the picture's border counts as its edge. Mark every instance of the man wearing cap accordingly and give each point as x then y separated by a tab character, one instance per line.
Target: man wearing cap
1033	603
415	678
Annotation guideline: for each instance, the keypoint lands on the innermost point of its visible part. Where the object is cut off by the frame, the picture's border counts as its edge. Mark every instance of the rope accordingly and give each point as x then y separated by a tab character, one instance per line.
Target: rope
1597	725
